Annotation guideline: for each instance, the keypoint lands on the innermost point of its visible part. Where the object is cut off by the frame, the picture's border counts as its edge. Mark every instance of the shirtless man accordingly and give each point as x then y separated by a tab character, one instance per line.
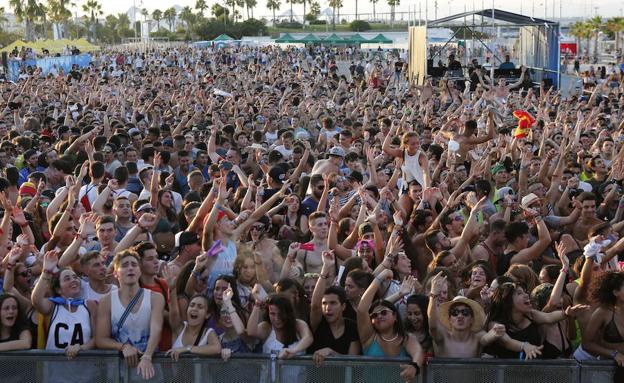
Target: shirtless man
580	228
461	334
331	164
466	138
309	261
493	246
502	89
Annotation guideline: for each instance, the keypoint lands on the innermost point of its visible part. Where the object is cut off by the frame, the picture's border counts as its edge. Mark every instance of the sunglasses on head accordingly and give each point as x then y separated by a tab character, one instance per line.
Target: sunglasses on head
257	227
382	313
463	312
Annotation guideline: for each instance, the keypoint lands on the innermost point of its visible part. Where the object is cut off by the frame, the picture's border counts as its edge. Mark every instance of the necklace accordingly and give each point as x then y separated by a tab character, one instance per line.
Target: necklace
389	340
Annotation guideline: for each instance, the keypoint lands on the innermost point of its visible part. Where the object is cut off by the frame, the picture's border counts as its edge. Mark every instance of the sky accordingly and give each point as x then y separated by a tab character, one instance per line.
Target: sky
570	8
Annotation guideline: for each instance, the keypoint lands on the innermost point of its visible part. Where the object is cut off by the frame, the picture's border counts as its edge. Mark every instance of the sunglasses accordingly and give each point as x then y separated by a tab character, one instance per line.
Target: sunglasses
24	274
463	312
257	227
382	313
458	218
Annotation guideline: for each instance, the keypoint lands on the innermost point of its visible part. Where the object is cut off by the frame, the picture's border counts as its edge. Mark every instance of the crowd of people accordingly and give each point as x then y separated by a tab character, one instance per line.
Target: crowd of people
247	200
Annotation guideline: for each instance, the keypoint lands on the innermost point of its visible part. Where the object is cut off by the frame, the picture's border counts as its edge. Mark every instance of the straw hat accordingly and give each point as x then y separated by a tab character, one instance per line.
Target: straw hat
478	315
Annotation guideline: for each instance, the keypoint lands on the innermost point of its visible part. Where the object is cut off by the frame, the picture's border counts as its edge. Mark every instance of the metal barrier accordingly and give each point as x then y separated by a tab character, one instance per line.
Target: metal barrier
107	366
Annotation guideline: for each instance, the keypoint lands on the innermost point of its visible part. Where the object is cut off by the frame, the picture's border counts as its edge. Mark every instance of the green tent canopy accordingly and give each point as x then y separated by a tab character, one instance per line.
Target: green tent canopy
223	37
286	38
380	39
334	39
310	38
356	38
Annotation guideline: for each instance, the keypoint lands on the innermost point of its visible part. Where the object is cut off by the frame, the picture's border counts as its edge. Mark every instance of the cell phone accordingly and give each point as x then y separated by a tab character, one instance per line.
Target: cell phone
307	246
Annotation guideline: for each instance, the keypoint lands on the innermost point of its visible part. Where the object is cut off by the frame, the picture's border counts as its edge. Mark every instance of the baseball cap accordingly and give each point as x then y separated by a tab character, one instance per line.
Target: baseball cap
502	192
278	173
337	151
528	199
184	238
356	176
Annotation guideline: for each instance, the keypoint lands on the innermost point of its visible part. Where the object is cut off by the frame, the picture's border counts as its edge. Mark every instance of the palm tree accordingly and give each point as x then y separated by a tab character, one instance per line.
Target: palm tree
374	2
219	12
291	8
233	4
170	15
335	4
123	21
393	4
201	6
27	11
187	16
3	18
615	25
250	4
273	5
43	16
94	9
581	30
157	15
59	13
596	25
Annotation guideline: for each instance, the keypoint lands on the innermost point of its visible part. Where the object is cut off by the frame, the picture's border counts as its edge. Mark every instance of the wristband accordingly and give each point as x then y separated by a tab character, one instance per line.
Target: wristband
9	266
146	357
23	226
417	367
196	274
614	354
324	276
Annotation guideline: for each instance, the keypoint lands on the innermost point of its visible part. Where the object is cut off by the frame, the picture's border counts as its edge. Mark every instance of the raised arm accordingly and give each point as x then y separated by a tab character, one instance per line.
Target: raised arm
437	285
316	312
39	299
534	251
365	328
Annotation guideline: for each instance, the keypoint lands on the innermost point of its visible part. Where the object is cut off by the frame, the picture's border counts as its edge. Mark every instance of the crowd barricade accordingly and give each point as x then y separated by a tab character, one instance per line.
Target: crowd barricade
108	366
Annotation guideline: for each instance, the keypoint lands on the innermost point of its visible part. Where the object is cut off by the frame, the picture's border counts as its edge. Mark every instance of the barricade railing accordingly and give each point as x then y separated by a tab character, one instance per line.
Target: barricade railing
107	366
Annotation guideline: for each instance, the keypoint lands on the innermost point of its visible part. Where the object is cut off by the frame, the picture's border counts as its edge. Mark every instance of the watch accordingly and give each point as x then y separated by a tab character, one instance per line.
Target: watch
189	348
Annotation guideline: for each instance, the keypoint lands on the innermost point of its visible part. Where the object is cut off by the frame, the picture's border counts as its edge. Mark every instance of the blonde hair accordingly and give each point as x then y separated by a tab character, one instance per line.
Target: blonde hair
405	138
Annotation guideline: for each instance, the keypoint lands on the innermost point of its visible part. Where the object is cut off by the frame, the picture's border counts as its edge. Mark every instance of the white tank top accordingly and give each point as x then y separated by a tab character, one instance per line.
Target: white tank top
202	342
68	328
272	344
88	294
223	265
411	168
135	329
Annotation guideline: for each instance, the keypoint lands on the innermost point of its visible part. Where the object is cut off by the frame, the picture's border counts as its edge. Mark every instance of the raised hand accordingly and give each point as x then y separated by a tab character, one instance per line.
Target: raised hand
50	260
228	294
408	285
113	184
169	276
328	259
18	216
258	293
438	282
147	221
292	251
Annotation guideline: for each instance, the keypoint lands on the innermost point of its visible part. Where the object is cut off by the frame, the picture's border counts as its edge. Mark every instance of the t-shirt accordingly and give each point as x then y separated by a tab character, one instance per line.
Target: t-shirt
309	205
323	337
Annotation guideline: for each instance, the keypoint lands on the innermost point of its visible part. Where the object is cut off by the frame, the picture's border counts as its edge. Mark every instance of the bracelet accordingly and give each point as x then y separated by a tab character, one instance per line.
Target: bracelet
146	357
417	367
522	347
614	354
432	295
324	276
9	266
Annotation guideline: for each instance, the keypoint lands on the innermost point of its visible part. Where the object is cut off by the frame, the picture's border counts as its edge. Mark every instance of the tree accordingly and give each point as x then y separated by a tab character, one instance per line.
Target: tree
220	13
26	11
94	9
335	4
157	15
374	2
188	17
615	25
291	8
250	5
123	21
201	6
273	5
3	18
596	25
393	4
59	14
581	30
170	15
